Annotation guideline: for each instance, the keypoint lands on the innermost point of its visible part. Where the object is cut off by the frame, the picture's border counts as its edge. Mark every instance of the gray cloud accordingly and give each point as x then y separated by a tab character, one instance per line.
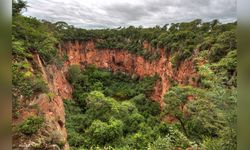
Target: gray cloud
113	13
126	11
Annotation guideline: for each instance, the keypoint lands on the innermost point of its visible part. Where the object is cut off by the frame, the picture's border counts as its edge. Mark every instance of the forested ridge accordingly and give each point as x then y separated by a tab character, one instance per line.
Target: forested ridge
114	110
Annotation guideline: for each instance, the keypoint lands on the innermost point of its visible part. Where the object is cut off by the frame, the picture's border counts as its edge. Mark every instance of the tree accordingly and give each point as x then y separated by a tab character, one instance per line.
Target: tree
175	100
205	117
102	133
18	6
106	106
198	116
61	25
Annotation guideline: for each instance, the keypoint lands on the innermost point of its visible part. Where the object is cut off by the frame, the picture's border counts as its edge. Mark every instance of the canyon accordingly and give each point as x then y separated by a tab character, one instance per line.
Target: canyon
85	53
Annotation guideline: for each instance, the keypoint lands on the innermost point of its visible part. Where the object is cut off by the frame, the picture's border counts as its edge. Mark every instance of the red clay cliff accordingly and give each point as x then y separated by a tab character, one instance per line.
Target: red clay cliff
84	53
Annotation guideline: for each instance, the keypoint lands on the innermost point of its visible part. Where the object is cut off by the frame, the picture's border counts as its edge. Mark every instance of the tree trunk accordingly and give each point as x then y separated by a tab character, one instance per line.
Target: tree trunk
183	126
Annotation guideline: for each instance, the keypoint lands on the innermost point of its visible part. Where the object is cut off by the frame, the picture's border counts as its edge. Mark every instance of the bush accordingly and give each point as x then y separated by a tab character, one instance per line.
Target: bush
102	133
39	86
21	86
31	125
146	106
25	83
37	37
73	73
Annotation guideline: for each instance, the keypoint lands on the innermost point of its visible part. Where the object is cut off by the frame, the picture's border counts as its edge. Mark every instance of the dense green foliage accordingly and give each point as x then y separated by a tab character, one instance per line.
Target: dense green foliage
111	109
117	85
31	36
209	118
100	119
31	125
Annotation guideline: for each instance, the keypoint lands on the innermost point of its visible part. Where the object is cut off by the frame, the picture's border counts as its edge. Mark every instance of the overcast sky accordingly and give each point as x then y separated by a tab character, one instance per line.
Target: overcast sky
115	13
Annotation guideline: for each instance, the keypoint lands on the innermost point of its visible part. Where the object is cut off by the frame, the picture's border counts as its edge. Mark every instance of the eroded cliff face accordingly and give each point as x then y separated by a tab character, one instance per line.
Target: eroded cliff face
84	53
50	106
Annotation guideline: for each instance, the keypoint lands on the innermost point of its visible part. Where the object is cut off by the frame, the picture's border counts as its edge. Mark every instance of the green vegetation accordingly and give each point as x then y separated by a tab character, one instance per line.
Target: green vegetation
209	118
117	85
110	109
32	36
17	6
31	125
29	36
114	110
179	40
25	83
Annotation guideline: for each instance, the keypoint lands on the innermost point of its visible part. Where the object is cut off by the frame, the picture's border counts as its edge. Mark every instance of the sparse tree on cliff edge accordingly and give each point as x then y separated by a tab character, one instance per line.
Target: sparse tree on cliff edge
18	6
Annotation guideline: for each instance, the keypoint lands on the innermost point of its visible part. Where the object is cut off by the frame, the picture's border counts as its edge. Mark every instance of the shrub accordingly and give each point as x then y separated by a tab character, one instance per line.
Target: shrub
59	62
39	86
21	86
31	125
25	83
73	73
